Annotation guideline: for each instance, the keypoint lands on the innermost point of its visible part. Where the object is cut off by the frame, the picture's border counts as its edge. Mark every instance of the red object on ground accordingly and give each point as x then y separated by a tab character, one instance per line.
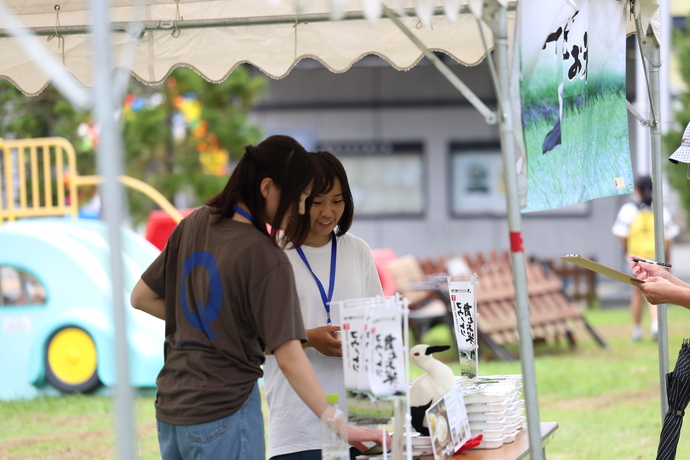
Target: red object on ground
160	225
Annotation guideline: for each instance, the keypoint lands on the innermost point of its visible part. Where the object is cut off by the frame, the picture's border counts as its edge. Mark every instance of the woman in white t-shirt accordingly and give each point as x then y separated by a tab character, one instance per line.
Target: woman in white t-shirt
635	227
331	265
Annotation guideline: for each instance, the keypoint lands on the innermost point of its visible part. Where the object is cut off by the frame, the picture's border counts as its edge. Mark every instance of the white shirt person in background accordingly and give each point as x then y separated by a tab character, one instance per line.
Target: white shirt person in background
331	265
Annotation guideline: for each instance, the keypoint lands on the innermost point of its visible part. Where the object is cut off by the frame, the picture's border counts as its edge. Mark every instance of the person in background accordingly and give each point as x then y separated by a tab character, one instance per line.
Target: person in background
656	283
226	292
331	265
634	226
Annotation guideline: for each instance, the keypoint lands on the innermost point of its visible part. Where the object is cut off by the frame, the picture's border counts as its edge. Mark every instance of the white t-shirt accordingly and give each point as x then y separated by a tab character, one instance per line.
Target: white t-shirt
292	426
626	216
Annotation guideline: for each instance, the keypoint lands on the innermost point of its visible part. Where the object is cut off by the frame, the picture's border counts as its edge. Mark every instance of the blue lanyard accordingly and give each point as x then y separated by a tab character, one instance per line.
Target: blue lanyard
326	300
243	213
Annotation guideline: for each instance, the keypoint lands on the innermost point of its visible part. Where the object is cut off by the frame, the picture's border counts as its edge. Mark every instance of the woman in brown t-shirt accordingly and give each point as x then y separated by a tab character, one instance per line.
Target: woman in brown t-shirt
226	291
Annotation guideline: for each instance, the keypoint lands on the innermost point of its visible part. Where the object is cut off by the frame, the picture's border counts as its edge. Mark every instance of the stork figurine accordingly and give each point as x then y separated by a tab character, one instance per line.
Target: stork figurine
430	387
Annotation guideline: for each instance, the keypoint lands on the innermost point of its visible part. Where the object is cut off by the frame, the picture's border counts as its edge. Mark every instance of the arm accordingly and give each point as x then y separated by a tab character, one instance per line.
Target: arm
659	290
322	339
145	299
659	286
298	371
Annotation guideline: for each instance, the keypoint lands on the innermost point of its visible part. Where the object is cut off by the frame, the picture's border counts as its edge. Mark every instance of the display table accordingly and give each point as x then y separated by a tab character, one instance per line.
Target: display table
516	450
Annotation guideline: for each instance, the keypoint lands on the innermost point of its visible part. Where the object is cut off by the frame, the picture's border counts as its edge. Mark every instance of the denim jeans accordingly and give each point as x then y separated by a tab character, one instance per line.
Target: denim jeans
239	436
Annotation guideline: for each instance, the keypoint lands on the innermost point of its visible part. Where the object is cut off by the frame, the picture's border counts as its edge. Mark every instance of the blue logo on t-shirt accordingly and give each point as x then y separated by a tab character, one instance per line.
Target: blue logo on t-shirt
209	312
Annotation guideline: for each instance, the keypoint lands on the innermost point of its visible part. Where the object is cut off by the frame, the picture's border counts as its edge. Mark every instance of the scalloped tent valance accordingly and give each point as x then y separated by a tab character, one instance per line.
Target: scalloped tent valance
215	36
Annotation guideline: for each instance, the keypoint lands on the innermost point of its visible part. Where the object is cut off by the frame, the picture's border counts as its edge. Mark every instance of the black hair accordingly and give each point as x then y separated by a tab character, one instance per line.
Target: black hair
329	169
292	169
643	184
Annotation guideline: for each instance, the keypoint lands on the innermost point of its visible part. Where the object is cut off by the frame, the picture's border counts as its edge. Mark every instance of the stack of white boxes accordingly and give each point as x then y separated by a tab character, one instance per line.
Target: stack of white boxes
494	408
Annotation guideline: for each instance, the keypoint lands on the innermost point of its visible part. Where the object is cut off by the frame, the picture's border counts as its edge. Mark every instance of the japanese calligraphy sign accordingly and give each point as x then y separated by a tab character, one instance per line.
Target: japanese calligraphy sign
352	322
572	89
464	307
463	304
374	359
385	366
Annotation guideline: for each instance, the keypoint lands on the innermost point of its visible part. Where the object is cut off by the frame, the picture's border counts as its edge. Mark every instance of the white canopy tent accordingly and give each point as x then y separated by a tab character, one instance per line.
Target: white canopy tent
63	41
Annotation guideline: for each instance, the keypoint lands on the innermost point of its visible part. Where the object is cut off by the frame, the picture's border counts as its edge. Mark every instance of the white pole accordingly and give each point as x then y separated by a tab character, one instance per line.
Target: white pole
109	167
642	142
517	254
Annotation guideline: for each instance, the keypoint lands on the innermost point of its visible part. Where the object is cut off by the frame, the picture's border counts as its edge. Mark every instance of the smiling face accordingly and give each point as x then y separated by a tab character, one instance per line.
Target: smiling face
326	211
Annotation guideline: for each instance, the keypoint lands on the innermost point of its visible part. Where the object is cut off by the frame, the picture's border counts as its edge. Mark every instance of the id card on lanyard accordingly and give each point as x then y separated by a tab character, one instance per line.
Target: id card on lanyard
326	299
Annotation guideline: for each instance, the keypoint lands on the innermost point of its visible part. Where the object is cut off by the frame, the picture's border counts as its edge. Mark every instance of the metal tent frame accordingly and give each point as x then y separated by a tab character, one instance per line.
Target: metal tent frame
109	160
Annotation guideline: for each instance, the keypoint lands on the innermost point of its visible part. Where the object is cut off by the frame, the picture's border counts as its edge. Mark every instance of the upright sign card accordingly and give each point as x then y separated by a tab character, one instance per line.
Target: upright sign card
449	427
463	304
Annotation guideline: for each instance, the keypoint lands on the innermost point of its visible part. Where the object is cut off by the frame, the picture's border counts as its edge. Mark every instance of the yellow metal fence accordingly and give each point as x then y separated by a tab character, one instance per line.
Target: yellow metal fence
37	176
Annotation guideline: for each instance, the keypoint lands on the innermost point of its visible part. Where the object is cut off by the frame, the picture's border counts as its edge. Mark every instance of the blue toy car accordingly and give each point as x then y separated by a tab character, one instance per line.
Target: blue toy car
56	312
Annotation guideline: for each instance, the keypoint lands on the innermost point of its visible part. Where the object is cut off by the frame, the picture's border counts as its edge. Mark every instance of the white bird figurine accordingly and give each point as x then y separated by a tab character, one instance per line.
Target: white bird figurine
430	387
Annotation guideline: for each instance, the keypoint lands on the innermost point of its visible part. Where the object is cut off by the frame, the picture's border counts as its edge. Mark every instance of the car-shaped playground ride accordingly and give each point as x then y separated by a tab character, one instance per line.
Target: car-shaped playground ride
56	310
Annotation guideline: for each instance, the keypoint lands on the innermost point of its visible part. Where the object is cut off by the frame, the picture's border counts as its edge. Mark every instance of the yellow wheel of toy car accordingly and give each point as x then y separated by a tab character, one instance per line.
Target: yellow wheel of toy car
71	361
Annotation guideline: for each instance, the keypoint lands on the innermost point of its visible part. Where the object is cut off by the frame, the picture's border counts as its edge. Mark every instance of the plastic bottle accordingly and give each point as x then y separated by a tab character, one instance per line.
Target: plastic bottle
334	446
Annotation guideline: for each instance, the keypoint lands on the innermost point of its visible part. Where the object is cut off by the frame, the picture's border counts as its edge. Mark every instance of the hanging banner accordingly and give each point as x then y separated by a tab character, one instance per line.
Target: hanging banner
463	305
572	88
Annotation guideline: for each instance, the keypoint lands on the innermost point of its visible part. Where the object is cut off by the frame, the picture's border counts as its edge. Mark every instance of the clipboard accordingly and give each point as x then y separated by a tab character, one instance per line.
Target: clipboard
603	269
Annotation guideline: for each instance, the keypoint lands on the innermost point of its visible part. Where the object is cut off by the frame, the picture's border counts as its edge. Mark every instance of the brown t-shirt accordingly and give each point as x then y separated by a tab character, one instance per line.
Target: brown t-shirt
229	295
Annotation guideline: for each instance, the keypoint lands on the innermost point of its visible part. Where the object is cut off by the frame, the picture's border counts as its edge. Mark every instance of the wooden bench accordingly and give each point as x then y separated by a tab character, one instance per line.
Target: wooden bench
579	283
552	314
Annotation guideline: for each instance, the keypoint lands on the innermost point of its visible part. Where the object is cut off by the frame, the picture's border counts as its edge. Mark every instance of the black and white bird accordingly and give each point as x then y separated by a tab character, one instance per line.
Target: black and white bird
552	140
430	387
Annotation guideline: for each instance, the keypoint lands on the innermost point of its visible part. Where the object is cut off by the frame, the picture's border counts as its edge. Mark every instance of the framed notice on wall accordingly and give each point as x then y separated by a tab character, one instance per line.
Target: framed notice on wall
476	179
477	186
386	178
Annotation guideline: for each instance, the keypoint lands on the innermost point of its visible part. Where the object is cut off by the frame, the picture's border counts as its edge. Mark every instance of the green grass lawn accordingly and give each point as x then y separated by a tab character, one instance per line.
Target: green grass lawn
606	402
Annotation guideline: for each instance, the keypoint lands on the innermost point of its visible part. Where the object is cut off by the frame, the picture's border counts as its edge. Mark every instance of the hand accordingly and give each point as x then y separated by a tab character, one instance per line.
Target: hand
356	435
643	270
322	339
658	290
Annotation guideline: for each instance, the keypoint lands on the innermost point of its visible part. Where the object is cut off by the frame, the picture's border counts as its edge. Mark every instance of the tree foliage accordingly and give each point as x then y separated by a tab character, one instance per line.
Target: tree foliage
677	174
172	165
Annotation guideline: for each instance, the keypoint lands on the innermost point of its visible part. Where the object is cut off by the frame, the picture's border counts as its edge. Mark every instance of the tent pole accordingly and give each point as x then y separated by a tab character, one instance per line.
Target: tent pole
649	48
659	240
514	219
109	166
517	254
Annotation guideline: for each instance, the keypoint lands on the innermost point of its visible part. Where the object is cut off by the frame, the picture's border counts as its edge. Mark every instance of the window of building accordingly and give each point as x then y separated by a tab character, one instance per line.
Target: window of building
18	287
386	178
